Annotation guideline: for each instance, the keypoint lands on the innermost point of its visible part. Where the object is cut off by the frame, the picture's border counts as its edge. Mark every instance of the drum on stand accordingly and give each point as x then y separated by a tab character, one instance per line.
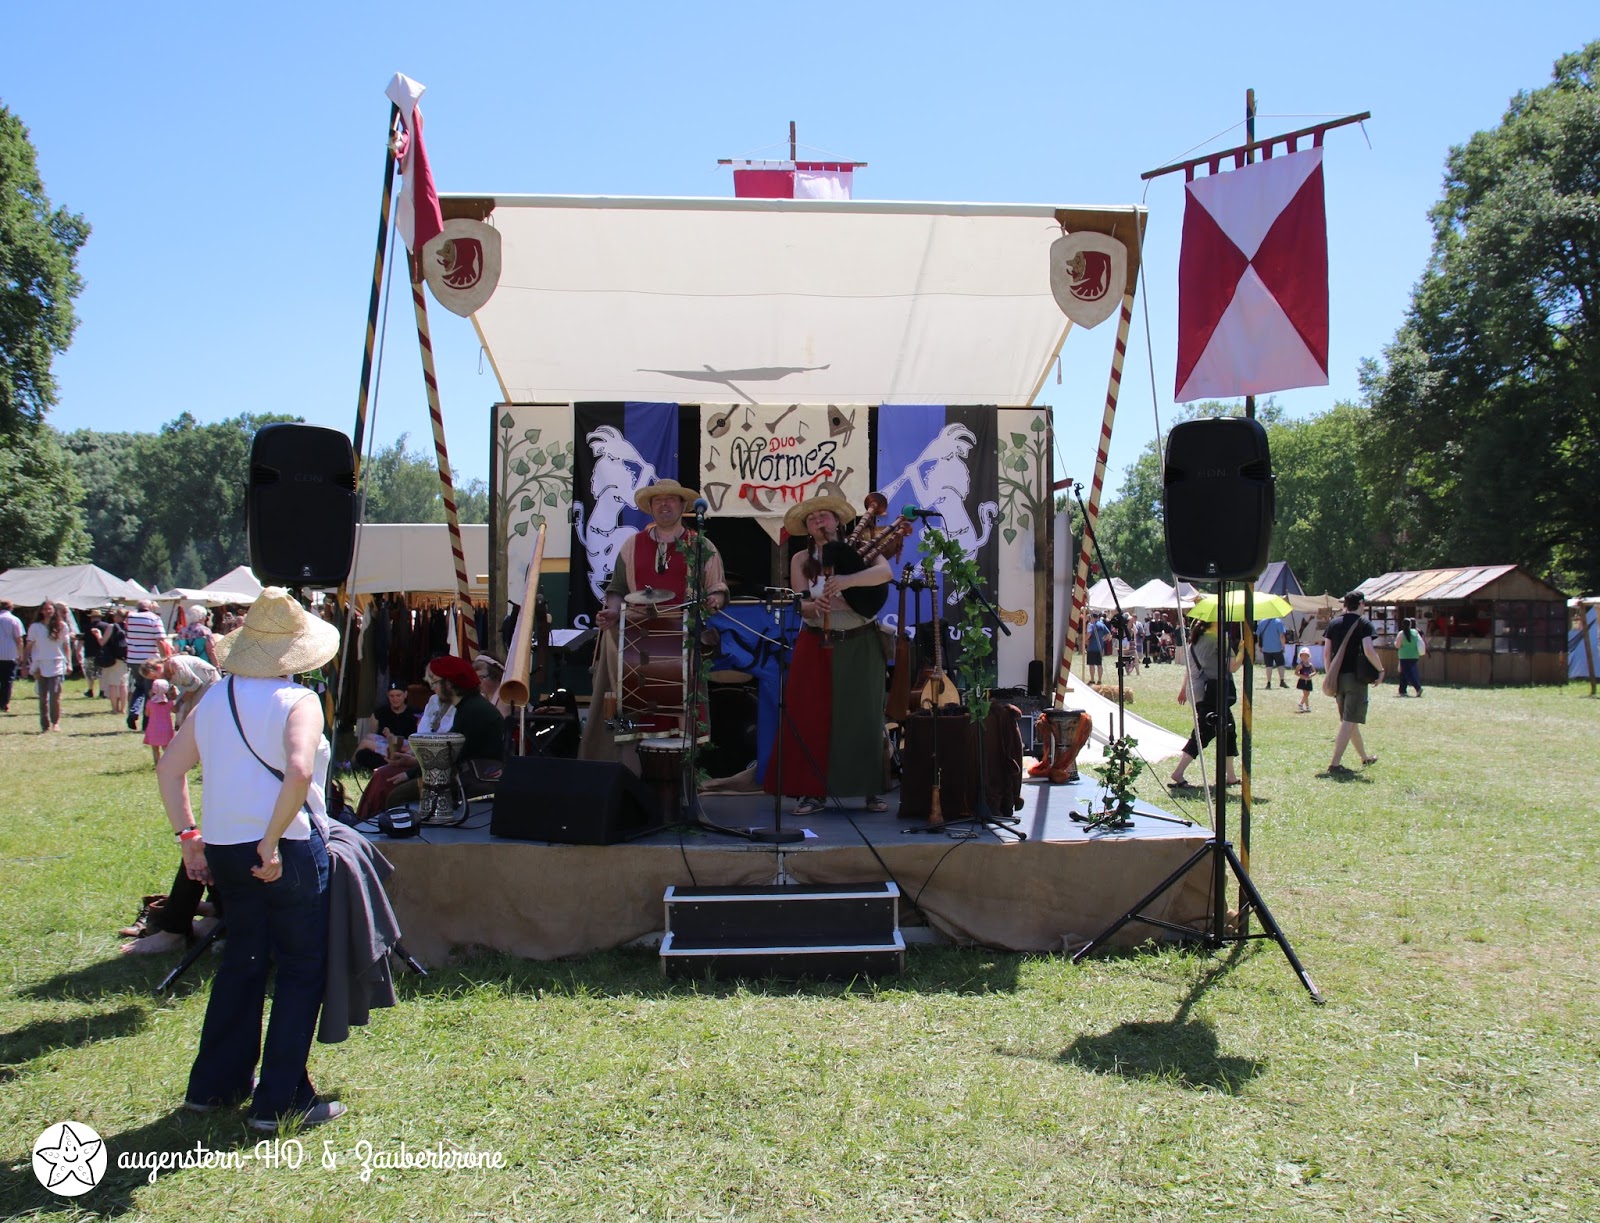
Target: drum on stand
653	661
661	765
437	756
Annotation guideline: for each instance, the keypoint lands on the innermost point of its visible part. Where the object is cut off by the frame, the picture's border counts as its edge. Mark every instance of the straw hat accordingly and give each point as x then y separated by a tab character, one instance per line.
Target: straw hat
664	488
794	522
278	637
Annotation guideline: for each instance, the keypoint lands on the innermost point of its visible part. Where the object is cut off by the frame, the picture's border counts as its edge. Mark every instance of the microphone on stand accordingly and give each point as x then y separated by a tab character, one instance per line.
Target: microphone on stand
911	511
701	507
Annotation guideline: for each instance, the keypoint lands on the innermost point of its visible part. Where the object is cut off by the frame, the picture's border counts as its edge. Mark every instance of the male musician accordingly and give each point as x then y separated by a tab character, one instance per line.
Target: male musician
654	558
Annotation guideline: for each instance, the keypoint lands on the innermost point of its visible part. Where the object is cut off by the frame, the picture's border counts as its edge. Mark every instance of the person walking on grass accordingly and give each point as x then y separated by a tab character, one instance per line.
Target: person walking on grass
1410	646
146	638
47	654
1270	634
1210	705
11	635
1353	679
1305	677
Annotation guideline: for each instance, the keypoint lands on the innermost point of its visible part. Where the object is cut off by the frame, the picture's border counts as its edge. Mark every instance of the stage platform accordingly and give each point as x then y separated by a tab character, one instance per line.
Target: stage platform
458	889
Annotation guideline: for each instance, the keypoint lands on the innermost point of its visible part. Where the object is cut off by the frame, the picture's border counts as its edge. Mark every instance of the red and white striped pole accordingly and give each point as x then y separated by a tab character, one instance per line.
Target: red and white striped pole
447	490
1080	579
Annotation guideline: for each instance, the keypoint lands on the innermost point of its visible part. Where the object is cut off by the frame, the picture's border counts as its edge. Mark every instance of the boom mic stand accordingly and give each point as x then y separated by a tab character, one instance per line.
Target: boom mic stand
1218	852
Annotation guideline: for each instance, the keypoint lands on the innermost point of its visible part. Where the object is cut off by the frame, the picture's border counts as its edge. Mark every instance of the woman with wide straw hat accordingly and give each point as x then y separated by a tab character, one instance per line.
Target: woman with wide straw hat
258	736
832	736
656	558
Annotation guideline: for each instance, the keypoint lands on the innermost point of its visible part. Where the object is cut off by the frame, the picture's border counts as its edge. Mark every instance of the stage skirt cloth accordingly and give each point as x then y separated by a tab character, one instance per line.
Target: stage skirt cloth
832	738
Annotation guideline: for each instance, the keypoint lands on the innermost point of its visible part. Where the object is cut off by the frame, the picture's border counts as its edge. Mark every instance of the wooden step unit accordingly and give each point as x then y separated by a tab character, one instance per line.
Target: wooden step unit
825	931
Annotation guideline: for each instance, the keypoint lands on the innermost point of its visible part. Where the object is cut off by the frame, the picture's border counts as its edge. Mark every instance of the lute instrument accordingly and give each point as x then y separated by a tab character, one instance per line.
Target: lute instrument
938	689
897	706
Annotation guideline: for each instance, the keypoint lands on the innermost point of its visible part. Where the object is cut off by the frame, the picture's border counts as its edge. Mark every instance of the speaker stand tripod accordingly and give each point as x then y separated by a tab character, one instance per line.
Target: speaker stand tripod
1217	852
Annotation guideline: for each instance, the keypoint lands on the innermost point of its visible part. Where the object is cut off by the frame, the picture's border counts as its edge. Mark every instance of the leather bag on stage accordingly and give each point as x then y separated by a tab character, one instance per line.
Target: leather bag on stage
1002	758
957	762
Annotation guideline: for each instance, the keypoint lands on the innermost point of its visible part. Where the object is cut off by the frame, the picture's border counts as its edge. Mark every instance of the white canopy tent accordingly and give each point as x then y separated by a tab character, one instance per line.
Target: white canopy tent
1099	597
775	301
78	586
1156	595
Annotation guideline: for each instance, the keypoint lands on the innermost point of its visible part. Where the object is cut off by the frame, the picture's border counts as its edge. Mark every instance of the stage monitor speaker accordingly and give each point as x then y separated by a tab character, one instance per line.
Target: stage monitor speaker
300	505
572	802
1218	499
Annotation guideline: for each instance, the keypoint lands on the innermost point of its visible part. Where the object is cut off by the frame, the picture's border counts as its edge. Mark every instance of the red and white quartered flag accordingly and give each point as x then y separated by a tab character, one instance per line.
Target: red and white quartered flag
1253	280
793	180
418	217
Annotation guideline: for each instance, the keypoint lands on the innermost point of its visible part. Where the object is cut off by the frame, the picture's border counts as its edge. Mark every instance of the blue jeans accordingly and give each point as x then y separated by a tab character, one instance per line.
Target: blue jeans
283	923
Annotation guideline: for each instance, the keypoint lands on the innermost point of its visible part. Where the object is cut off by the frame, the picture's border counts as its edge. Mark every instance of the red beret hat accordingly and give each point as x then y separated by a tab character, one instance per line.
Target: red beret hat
457	670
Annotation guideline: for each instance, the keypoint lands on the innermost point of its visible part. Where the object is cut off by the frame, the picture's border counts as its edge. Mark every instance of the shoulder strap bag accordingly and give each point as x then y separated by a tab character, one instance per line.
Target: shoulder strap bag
1330	677
233	707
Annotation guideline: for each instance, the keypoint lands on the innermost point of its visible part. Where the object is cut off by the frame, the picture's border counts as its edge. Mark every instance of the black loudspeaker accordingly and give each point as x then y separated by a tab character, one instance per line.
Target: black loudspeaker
300	505
1036	677
1218	499
573	802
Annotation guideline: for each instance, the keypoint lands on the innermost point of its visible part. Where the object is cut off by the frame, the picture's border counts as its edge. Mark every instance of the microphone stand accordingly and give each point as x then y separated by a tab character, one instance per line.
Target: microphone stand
689	792
778	834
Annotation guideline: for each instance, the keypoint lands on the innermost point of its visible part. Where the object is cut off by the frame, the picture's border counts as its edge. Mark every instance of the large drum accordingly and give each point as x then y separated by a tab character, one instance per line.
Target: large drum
653	661
437	756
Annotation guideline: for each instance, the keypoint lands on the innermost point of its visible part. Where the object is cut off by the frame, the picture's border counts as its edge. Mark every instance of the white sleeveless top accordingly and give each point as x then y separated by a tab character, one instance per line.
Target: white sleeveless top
238	793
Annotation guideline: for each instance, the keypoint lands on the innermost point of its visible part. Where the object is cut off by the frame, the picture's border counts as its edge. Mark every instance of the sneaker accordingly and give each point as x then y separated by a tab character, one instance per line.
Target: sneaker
1281	684
319	1113
206	1106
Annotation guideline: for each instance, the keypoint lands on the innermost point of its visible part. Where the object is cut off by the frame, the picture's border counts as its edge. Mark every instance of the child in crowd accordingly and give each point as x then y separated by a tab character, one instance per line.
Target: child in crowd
158	730
1305	675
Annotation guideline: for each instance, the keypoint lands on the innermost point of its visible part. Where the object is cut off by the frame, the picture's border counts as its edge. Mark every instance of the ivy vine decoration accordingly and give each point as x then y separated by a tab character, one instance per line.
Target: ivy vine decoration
961	577
532	477
1118	773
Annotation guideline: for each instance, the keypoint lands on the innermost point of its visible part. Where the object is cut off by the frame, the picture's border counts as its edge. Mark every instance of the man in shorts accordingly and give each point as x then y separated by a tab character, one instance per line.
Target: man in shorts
1094	649
1353	686
1270	634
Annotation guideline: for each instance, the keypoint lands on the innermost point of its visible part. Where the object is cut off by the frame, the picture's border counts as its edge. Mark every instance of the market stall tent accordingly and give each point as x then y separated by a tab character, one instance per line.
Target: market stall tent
415	558
78	586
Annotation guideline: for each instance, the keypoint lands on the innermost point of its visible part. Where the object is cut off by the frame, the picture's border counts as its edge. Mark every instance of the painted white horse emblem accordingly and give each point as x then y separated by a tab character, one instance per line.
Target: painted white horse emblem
940	481
619	472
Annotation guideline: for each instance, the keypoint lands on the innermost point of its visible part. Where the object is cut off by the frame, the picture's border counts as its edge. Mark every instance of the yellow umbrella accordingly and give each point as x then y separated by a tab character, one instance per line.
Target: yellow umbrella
1264	605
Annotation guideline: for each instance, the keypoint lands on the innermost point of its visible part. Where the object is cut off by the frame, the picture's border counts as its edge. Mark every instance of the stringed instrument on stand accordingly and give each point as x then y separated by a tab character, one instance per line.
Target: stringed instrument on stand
897	707
936	688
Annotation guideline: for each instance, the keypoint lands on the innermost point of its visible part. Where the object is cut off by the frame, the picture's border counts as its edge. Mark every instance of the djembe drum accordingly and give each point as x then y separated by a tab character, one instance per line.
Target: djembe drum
661	762
437	756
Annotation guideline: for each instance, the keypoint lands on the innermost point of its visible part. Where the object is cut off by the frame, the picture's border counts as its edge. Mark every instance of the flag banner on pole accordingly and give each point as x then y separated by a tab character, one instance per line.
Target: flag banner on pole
621	447
1253	280
793	180
944	459
757	462
418	218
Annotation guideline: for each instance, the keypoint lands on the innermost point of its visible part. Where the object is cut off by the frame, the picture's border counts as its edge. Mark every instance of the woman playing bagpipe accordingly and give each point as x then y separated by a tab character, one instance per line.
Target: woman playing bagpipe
831	741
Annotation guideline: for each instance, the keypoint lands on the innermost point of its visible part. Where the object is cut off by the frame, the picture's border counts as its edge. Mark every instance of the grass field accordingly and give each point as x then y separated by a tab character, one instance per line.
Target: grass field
1445	899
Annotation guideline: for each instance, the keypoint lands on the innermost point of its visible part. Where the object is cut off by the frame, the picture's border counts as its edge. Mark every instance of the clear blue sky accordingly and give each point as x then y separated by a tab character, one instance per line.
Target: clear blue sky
230	157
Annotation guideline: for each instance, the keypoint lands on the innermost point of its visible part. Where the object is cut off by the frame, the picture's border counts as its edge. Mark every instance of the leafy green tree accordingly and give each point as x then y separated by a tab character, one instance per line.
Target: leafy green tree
1486	406
107	466
1323	503
40	520
404	487
38	279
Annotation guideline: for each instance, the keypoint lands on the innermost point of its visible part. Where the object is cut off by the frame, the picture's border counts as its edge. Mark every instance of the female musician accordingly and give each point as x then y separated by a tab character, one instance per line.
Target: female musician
832	737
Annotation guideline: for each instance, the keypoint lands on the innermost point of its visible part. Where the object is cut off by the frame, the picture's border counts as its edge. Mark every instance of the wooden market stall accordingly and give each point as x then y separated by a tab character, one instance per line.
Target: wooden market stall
1485	625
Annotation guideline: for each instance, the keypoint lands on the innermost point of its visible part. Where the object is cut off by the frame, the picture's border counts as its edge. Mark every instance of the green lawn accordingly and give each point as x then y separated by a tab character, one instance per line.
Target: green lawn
1446	901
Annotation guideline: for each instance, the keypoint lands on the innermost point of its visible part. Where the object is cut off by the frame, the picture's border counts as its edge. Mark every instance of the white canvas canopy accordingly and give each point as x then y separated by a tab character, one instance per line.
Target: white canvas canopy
415	558
1156	595
238	585
78	586
775	301
1100	594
